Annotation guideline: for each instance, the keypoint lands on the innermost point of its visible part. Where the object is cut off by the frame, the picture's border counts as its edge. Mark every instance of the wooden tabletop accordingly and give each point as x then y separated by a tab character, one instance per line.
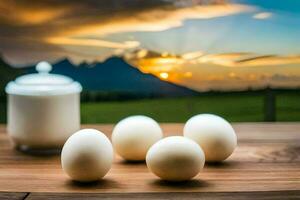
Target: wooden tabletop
265	165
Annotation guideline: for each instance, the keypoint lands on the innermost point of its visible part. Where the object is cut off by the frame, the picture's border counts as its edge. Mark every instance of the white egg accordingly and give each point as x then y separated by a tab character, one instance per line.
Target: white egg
87	155
214	134
133	136
175	158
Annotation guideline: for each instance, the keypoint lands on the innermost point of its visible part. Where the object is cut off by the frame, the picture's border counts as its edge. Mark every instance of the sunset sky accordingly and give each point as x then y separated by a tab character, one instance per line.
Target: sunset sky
222	45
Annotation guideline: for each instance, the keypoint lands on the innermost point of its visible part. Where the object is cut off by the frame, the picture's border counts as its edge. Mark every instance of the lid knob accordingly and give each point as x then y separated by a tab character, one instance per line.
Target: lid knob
43	67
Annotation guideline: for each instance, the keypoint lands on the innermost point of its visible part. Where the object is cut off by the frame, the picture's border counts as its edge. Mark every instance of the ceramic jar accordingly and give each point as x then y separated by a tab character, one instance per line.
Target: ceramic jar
43	109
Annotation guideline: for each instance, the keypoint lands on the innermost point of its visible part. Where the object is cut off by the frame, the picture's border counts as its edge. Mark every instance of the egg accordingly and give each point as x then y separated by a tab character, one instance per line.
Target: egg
134	135
87	155
175	158
214	134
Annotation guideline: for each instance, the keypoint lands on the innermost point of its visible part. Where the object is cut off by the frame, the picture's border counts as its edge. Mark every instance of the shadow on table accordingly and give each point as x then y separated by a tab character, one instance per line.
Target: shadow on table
182	184
41	153
103	184
127	162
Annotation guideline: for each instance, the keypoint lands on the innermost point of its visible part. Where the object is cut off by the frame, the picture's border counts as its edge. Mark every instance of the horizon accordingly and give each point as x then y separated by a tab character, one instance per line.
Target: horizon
220	45
91	65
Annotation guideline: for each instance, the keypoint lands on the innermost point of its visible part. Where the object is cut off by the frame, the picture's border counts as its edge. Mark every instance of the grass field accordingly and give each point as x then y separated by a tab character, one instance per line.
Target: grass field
235	107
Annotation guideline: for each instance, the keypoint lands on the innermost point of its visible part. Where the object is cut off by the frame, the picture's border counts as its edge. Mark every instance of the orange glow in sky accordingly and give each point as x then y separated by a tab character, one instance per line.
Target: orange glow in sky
231	70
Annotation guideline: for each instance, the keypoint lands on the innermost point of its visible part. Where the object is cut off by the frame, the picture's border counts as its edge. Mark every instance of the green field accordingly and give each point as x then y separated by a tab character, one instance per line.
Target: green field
236	107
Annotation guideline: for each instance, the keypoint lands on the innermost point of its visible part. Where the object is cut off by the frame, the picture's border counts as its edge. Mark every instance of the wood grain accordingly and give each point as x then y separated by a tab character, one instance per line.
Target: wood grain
274	195
13	195
265	164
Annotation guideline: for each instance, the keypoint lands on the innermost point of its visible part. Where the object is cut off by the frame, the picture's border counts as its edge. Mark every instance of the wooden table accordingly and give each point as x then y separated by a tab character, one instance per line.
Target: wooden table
266	165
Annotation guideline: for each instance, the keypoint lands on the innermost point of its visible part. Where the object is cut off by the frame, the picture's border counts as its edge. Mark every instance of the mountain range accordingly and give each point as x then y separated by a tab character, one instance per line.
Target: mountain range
7	73
113	75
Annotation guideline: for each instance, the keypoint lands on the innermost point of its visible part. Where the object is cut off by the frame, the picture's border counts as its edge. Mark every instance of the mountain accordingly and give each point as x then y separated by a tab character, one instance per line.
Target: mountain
7	73
116	75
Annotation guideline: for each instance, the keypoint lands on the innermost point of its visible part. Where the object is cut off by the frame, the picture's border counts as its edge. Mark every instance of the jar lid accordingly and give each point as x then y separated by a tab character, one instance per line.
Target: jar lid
43	83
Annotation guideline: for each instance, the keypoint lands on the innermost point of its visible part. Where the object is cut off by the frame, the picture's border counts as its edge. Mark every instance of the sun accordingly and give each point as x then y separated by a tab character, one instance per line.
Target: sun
164	75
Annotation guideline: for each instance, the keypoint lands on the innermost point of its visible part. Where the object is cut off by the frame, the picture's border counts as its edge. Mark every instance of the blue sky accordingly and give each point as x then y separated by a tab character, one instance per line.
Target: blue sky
290	6
279	34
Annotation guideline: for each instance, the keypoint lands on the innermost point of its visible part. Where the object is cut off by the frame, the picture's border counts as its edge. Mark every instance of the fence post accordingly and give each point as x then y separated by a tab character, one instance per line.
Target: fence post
270	105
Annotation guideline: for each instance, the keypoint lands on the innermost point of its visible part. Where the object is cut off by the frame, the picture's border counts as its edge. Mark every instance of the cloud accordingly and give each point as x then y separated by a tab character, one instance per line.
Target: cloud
161	18
26	26
262	15
269	60
154	60
224	59
227	71
23	15
282	77
158	19
65	25
93	43
192	55
248	59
